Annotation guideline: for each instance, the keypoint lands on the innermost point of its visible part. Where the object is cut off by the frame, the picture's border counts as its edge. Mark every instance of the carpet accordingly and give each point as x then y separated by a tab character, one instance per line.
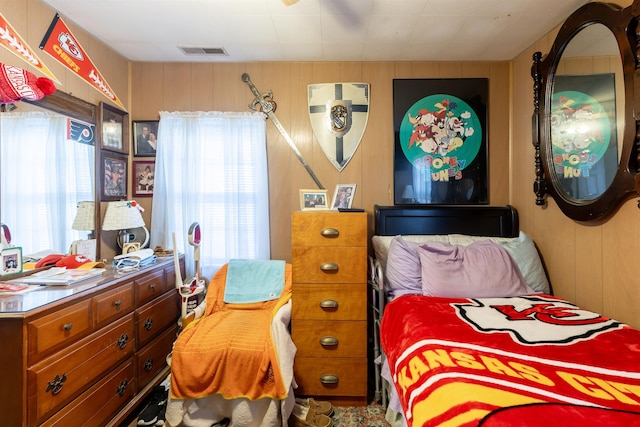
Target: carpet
359	416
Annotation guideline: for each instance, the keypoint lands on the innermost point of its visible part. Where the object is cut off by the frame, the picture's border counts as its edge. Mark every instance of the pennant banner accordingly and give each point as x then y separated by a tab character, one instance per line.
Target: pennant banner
11	40
60	44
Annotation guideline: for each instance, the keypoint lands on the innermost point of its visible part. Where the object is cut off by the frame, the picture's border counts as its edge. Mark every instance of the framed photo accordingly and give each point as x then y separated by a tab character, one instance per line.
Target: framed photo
143	173
440	153
11	261
130	247
343	196
113	126
144	138
113	176
313	200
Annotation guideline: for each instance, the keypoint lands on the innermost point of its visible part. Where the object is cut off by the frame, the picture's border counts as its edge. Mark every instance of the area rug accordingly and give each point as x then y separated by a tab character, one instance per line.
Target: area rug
359	416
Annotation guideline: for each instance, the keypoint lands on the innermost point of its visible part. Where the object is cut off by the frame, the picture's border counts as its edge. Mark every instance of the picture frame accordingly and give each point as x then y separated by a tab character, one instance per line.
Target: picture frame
441	141
313	200
113	125
144	137
11	260
130	247
144	172
343	196
113	176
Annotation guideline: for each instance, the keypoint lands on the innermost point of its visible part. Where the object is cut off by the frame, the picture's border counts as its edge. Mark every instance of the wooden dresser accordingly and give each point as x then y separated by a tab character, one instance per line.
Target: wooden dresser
329	305
87	354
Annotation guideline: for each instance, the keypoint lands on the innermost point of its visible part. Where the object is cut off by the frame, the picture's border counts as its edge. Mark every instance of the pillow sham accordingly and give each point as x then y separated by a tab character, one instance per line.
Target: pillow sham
403	274
521	248
483	269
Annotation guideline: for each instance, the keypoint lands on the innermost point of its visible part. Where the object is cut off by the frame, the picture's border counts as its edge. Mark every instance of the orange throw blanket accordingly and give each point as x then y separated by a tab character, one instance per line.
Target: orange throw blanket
229	351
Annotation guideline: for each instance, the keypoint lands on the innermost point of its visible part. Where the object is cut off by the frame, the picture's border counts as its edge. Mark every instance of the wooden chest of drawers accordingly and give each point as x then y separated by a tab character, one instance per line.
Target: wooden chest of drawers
329	306
87	353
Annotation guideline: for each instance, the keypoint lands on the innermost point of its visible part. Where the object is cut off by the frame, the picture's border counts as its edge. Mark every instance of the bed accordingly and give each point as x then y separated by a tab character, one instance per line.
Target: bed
456	347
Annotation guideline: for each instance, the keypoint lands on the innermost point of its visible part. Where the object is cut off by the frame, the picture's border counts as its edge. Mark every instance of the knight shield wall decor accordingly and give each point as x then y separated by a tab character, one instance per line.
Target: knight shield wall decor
339	114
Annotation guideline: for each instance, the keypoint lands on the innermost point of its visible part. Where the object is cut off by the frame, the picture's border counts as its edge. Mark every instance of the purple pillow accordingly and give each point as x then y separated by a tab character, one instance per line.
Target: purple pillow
483	269
403	274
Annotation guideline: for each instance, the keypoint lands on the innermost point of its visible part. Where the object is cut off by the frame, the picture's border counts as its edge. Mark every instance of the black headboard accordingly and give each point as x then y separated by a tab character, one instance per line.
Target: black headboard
473	220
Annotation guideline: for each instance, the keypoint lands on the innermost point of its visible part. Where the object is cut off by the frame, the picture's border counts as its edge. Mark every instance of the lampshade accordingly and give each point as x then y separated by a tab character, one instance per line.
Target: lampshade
85	217
408	193
122	215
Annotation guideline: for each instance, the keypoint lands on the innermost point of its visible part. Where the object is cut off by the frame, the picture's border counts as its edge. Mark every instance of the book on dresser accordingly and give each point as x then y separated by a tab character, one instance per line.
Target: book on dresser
329	305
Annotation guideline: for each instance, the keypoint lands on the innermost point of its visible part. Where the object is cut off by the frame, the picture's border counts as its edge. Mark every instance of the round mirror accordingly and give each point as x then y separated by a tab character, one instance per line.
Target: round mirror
583	121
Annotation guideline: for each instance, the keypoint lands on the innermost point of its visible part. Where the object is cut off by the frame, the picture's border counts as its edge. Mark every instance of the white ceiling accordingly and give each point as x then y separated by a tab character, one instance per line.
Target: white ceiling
318	30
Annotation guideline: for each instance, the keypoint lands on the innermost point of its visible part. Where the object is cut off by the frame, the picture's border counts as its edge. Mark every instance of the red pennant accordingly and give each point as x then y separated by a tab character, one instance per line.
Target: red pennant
10	39
63	46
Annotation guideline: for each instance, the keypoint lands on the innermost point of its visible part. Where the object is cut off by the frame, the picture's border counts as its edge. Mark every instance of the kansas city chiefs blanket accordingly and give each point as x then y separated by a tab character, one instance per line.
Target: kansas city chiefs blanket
510	361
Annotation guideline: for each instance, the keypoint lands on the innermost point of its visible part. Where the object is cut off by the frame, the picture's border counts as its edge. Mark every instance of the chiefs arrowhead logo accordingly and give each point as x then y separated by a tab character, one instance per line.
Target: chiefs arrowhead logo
533	320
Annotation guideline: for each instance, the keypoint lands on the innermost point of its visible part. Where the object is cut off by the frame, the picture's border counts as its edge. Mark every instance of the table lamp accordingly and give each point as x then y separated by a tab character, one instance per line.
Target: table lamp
122	216
85	219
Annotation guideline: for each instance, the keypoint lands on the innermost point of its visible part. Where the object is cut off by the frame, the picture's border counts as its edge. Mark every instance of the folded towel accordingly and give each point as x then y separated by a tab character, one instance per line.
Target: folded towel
250	281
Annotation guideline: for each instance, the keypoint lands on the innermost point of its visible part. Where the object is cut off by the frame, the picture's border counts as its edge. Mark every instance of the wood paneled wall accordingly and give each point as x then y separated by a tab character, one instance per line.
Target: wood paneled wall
197	86
590	265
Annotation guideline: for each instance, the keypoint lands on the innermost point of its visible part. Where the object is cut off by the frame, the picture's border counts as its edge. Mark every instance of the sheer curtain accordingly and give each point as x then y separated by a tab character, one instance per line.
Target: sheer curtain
44	176
211	168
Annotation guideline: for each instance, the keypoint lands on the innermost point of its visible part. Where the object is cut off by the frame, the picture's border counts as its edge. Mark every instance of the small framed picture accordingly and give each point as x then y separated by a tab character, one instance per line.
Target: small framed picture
343	196
144	138
113	176
313	200
130	247
114	129
143	173
11	260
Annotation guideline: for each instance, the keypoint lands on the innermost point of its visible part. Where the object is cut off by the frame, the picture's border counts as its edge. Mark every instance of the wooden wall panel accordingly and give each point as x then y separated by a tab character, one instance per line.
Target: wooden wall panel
587	264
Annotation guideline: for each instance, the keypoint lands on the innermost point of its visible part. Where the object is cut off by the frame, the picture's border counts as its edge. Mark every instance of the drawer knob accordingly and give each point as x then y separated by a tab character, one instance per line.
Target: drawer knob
122	387
148	365
329	303
329	267
330	233
67	326
55	386
329	379
153	286
117	303
148	324
328	341
122	341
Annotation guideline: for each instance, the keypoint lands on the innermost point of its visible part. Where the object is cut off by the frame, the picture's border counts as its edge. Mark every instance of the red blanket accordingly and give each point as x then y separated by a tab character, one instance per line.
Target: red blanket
455	362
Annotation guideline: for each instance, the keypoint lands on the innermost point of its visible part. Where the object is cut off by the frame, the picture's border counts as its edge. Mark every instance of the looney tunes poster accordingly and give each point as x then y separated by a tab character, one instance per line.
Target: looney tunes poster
440	141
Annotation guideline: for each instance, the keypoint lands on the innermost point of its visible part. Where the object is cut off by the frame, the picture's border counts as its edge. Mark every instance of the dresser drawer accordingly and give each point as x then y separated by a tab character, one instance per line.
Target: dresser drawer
342	301
331	377
98	404
112	304
154	317
152	358
58	330
328	229
329	264
329	338
150	286
56	380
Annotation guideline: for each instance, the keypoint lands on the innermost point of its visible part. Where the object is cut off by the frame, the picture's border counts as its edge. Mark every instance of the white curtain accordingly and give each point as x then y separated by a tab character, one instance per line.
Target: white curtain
211	168
44	176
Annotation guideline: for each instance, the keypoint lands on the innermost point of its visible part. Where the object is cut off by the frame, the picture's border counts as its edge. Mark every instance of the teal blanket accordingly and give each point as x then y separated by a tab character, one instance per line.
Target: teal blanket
250	281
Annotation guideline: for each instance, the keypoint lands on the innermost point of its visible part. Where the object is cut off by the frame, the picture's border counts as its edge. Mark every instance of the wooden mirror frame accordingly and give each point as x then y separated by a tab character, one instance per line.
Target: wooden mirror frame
623	24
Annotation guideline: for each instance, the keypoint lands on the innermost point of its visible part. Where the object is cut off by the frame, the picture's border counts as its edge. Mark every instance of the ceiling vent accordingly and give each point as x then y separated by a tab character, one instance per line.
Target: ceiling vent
203	51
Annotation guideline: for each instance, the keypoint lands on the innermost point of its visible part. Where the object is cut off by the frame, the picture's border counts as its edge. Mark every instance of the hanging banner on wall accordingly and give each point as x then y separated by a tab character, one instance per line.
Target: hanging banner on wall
60	44
11	40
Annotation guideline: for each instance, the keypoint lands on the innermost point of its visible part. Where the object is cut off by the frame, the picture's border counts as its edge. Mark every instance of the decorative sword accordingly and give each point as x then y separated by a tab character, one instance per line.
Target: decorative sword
264	102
